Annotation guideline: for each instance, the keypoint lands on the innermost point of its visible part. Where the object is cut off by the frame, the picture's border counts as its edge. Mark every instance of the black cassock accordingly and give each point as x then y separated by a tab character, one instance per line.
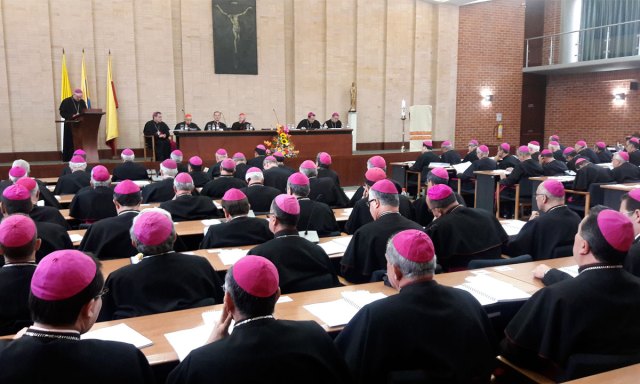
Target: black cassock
634	157
625	173
216	188
302	265
256	161
46	195
48	359
632	261
214	170
590	155
422	164
508	161
424	216
527	168
604	156
332	195
306	124
539	237
214	126
92	204
163	146
200	178
404	332
69	108
317	216
183	126
330	173
188	207
331	124
15	285
451	157
129	170
590	174
66	170
558	155
276	177
54	238
260	197
72	183
266	351
471	156
455	247
574	316
365	253
161	283
240	230
238	126
50	215
109	238
484	164
554	168
158	192
182	167
241	171
361	215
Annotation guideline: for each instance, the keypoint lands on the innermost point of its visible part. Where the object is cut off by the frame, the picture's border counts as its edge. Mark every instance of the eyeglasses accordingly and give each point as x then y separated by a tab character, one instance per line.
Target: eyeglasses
540	194
369	202
102	293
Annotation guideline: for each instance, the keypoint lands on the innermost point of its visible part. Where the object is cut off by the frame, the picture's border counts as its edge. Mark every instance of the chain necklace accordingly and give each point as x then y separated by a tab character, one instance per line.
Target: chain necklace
253	319
601	267
43	334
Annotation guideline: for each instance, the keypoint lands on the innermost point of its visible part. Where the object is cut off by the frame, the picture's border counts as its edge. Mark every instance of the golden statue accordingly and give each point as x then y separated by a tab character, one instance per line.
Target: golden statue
354	95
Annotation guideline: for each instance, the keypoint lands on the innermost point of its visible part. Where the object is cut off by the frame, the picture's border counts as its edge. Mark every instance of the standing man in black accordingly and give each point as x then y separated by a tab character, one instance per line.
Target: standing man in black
70	108
160	132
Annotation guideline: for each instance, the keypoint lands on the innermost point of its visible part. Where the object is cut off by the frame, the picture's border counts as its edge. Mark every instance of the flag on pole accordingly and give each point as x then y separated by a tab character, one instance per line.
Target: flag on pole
85	84
111	110
65	86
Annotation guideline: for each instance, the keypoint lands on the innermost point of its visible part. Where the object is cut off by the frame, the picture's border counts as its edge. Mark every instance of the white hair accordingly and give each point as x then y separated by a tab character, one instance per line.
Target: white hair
254	176
128	158
167	172
22	164
534	148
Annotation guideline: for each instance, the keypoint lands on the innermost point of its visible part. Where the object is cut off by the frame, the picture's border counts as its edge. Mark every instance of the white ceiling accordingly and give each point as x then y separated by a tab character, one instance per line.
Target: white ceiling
457	2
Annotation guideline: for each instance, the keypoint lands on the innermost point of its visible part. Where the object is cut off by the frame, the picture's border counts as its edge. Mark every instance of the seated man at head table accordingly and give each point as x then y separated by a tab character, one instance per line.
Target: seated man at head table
449	154
436	176
334	121
365	253
623	171
109	238
95	202
314	215
259	155
217	187
261	348
323	188
360	214
302	265
76	180
555	226
604	155
162	280
405	332
551	166
215	124
214	169
200	178
178	156
187	124
260	196
42	213
160	191
18	243
17	199
309	123
574	316
185	206
242	124
238	229
450	231
65	299
504	158
472	154
241	165
129	169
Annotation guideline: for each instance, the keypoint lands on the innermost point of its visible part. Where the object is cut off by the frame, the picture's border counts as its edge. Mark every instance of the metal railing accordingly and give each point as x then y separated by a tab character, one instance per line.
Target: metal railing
584	44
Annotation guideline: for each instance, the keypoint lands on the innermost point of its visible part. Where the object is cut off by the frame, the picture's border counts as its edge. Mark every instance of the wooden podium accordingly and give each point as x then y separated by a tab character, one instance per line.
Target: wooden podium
85	133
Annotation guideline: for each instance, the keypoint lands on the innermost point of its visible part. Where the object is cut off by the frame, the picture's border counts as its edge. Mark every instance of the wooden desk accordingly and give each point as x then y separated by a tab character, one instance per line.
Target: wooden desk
613	193
524	272
626	375
64	199
49	180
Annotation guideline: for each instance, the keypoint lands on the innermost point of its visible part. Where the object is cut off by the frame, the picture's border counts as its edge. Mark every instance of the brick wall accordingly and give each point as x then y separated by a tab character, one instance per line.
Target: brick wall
490	58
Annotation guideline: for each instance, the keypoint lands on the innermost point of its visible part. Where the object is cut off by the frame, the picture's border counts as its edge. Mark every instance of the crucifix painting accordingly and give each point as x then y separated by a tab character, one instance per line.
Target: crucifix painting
235	42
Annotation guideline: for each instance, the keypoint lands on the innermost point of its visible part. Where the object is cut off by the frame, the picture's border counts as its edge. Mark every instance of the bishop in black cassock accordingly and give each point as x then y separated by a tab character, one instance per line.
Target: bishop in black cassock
70	108
129	169
260	196
623	171
73	182
314	215
185	206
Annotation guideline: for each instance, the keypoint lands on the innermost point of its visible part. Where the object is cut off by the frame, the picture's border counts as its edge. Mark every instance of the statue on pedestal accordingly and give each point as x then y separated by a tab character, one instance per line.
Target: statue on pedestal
354	95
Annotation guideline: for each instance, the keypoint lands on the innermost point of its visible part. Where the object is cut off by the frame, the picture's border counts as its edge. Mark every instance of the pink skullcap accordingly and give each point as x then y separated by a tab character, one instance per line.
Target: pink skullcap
288	204
616	228
335	114
414	245
298	179
80	152
17	230
446	143
385	186
187	116
568	150
77	90
62	274
260	146
100	173
483	148
554	187
635	194
378	162
152	228
440	172
534	142
635	140
169	164
439	192
270	158
505	147
256	275
580	160
238	155
254	170
523	149
624	155
473	142
127	152
581	143
554	143
28	182
17	172
234	194
278	154
126	187
555	137
221	152
546	153
601	144
325	158
310	114
375	174
16	192
427	143
228	164
308	164
176	152
184	177
195	160
77	159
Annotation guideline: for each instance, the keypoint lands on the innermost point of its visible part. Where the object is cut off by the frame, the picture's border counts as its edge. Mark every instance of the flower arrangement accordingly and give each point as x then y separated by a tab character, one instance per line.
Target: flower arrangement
281	142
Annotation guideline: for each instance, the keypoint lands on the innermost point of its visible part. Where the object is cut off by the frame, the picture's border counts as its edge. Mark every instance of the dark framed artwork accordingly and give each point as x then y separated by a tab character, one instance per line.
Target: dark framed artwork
235	40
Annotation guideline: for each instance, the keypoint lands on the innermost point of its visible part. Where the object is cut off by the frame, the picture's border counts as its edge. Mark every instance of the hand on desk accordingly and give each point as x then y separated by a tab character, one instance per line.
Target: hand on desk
540	271
221	330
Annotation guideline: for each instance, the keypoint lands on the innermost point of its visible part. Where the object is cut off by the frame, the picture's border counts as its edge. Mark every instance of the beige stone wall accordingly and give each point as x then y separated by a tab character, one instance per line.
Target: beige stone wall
309	52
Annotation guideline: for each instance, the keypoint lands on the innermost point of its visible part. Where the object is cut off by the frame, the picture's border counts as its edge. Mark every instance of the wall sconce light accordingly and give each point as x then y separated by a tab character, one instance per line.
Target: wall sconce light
620	97
487	100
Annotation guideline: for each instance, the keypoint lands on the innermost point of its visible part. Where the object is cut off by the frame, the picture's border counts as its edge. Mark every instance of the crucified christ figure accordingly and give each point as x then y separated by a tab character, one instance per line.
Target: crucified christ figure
235	25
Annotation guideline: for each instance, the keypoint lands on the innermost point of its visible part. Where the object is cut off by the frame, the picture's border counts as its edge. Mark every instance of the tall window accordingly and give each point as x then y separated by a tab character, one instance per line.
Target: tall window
624	40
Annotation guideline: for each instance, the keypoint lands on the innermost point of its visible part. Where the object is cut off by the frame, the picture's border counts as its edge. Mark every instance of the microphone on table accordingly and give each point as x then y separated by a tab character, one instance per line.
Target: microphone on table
312	236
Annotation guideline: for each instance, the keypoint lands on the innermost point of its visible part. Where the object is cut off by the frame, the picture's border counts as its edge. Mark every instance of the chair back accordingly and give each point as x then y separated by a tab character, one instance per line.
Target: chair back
486	263
526	188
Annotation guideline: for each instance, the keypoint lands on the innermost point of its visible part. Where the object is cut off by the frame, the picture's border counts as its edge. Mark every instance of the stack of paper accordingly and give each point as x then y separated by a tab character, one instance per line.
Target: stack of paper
211	222
512	227
488	290
460	168
341	311
187	340
75	237
230	256
120	332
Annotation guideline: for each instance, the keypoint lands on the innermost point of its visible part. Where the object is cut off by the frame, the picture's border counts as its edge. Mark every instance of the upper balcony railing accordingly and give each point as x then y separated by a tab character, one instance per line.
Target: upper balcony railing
605	42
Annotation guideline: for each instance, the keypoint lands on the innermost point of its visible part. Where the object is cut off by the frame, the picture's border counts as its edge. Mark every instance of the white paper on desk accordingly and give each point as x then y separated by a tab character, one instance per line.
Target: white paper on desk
361	298
343	240
436	165
75	237
213	318
217	204
512	227
572	270
332	248
187	340
40	203
209	222
231	256
141	183
121	332
57	197
333	313
460	168
562	179
350	193
488	290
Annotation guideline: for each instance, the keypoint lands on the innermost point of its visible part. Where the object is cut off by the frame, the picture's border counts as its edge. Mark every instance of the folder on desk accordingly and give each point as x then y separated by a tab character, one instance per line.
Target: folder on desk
488	290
